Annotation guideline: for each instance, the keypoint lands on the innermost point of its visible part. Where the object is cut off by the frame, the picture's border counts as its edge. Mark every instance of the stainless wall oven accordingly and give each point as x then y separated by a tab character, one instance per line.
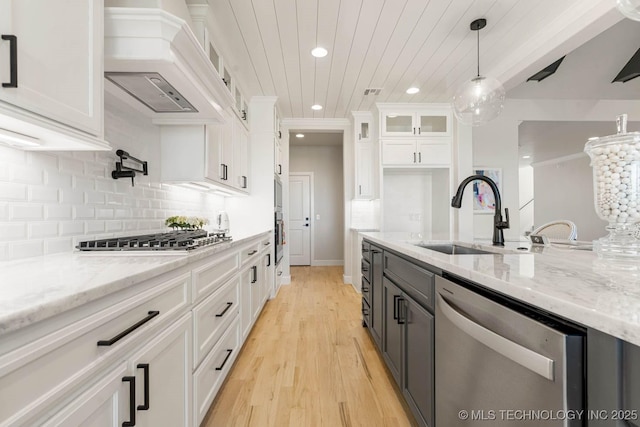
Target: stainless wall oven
279	236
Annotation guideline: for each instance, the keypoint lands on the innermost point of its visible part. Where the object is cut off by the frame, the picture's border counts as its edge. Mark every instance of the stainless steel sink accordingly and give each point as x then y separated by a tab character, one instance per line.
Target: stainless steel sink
453	249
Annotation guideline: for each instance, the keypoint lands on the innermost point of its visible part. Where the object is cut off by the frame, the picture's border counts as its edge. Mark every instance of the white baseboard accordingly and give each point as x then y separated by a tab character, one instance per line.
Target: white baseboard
346	280
327	262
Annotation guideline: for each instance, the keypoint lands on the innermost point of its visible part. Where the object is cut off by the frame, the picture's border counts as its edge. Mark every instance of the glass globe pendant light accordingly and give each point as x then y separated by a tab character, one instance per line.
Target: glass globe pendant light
629	8
480	99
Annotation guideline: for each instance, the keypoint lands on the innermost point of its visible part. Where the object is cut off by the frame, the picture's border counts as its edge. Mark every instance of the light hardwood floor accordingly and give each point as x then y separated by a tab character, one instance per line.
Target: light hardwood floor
309	362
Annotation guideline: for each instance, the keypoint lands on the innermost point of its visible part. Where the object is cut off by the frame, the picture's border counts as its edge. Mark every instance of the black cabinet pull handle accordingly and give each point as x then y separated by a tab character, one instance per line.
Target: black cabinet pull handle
145	369
419	132
252	252
420	157
401	319
132	401
13	60
365	289
395	306
244	181
268	260
414	131
226	172
267	244
229	351
127	331
375	251
279	135
254	273
279	169
414	157
244	114
229	304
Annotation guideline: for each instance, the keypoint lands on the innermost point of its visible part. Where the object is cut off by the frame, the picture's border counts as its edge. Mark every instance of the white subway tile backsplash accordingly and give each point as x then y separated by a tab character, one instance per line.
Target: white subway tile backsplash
94	227
27	249
58	211
84	212
27	212
40	230
94	198
71	228
114	199
13	191
72	197
113	226
13	231
104	213
122	213
71	165
84	184
55	179
106	185
42	161
27	175
49	202
55	246
43	194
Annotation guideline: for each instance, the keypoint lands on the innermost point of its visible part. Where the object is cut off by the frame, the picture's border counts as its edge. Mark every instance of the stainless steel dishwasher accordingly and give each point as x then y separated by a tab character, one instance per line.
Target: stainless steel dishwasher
500	363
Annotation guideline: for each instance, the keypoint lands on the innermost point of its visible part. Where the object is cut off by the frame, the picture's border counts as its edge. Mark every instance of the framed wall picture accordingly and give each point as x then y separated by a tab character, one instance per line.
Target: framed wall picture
483	200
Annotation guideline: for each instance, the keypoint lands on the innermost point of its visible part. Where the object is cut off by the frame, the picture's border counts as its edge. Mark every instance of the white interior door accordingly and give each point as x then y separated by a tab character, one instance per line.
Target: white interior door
299	239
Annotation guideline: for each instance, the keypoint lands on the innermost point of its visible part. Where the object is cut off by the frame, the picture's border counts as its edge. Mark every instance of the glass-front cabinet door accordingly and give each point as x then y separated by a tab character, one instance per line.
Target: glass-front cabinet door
397	124
430	123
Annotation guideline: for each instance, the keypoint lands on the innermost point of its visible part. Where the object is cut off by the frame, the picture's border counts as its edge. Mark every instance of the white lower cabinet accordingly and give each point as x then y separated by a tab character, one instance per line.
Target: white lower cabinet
162	372
151	355
214	368
101	405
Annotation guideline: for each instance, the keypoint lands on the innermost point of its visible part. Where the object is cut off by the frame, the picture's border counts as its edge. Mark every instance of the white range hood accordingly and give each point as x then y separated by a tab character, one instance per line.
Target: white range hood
154	62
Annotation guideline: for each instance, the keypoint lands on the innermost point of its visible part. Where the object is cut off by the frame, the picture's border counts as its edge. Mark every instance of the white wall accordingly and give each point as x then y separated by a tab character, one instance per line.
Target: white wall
326	164
526	196
51	201
564	190
416	201
496	143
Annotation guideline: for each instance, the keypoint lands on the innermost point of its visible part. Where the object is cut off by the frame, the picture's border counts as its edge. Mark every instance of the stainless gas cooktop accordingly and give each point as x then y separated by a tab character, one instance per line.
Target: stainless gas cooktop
175	240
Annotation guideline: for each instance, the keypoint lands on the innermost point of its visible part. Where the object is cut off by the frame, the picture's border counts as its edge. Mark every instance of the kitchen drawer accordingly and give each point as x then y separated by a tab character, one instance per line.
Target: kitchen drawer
35	375
265	245
365	269
366	312
209	277
212	316
366	290
366	250
209	376
411	278
248	253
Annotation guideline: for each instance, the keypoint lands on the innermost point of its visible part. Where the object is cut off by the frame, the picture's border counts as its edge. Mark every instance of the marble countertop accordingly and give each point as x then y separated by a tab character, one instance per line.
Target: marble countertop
34	289
570	282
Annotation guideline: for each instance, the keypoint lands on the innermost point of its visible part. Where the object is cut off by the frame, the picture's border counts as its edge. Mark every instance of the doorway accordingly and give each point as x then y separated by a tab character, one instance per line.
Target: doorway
300	208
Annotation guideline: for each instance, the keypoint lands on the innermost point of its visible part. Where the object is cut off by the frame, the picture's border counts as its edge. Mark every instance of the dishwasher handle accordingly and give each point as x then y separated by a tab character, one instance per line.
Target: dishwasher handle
529	359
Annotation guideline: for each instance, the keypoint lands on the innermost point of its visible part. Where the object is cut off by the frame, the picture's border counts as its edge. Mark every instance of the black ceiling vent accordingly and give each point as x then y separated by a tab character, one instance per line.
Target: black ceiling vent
631	70
543	74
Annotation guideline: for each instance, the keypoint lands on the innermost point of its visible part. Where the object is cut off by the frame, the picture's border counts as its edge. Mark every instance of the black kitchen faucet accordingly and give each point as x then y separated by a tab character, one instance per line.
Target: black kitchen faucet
498	223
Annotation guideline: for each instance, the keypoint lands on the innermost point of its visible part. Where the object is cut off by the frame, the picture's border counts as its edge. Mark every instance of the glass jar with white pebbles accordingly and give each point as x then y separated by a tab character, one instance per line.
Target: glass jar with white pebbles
615	160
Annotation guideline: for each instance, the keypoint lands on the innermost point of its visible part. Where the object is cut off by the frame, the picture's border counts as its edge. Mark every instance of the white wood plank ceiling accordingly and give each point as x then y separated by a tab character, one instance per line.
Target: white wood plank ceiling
388	44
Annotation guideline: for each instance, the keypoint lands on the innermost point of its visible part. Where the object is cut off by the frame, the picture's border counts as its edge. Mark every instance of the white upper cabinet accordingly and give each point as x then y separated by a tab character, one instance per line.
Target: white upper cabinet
414	122
433	152
51	70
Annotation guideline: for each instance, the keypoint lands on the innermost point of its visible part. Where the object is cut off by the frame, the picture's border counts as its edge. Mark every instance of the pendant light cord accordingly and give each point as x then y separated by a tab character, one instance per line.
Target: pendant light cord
478	50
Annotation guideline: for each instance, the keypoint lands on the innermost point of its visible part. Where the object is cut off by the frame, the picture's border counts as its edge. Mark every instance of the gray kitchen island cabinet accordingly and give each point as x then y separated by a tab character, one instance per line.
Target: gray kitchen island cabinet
408	331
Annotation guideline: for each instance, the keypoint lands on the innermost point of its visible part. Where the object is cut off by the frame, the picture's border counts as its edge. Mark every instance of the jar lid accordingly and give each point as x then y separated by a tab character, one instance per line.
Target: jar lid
622	137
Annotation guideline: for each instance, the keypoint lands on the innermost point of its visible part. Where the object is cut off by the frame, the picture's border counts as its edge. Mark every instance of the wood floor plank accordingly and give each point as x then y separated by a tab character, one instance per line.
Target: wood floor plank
309	362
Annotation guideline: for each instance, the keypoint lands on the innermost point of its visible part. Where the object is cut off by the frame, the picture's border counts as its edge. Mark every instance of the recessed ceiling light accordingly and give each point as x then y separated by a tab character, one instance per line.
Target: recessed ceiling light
413	90
316	107
526	157
299	135
319	52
